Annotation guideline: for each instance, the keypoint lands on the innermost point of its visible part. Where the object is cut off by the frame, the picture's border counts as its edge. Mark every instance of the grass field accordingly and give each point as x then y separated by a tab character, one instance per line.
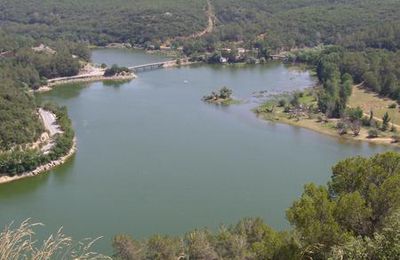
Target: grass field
368	101
318	122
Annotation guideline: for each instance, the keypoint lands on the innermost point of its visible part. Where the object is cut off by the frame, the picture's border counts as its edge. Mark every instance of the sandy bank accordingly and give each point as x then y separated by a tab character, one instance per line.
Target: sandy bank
41	169
323	128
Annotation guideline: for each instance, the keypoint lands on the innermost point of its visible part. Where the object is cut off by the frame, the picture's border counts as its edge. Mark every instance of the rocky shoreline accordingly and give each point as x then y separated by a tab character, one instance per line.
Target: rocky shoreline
41	169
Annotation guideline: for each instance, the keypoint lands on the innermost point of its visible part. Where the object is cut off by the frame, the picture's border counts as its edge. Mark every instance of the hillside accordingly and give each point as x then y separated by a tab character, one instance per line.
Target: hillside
103	21
301	22
284	23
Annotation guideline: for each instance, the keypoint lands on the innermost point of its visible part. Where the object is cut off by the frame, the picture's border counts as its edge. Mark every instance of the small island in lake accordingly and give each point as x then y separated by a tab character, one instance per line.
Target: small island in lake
221	97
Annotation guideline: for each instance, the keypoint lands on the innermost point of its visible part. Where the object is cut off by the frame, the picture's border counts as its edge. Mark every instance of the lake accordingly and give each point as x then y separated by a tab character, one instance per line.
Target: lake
153	158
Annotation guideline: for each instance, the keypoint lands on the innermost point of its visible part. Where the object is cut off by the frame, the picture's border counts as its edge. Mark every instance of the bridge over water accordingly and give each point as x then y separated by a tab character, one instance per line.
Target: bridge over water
157	65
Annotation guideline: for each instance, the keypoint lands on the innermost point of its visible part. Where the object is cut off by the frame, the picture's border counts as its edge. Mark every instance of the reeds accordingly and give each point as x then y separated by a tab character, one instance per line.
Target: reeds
20	243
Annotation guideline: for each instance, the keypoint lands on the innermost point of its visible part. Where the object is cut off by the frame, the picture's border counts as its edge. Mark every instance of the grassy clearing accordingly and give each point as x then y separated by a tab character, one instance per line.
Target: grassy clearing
306	115
368	101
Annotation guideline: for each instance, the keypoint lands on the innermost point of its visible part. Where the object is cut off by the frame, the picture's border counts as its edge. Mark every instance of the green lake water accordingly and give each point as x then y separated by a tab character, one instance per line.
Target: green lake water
153	158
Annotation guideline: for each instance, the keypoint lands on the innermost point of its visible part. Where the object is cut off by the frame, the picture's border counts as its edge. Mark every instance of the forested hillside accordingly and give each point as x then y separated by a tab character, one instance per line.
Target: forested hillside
23	68
301	22
287	23
103	21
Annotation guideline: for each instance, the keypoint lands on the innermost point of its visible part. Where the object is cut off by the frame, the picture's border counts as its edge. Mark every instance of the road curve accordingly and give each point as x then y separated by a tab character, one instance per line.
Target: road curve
50	122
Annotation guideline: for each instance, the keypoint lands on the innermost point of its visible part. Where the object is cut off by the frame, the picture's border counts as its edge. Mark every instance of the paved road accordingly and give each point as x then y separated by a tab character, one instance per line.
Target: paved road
49	121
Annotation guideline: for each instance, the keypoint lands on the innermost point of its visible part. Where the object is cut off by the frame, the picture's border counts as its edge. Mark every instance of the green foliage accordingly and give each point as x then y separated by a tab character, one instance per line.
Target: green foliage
19	160
282	103
372	181
300	23
224	93
341	127
384	244
287	24
373	133
354	114
251	238
295	101
115	70
313	217
20	123
385	121
101	22
163	247
198	245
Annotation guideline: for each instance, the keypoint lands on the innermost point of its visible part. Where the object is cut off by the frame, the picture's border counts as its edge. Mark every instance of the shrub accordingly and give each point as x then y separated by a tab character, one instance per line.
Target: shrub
295	101
282	103
114	70
392	106
223	93
365	121
354	113
373	133
355	127
341	127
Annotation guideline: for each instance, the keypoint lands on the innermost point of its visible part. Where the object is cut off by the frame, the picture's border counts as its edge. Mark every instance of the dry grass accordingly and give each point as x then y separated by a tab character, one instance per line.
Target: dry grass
20	243
368	101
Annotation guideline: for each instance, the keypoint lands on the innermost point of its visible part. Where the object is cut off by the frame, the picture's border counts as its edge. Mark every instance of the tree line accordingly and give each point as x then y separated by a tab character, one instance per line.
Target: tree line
338	68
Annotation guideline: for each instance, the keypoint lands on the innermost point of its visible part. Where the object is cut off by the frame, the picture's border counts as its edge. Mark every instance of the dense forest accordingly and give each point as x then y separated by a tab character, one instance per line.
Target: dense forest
356	216
297	23
22	68
102	21
289	23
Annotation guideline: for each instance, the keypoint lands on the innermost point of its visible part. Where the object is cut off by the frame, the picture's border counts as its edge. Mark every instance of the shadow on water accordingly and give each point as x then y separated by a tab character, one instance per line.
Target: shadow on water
27	186
21	188
63	92
114	84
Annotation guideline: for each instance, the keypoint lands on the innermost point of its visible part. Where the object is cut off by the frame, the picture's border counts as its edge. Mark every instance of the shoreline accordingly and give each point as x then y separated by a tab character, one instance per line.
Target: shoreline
321	129
42	168
84	79
314	121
